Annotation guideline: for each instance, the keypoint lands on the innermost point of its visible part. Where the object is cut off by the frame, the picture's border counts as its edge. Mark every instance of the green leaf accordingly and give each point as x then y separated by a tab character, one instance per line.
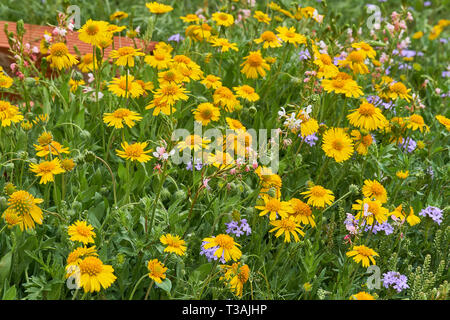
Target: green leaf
5	266
166	285
10	294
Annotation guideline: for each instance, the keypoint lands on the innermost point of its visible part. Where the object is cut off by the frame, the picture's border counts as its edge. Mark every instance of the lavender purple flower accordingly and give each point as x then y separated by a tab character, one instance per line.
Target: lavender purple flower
432	212
396	280
238	228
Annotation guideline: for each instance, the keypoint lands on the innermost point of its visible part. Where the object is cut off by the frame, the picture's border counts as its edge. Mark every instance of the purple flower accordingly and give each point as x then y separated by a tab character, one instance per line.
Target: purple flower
386	227
199	165
427	3
238	228
189	166
176	37
443	40
311	139
396	280
406	66
304	55
430	172
445	74
433	212
210	253
409	145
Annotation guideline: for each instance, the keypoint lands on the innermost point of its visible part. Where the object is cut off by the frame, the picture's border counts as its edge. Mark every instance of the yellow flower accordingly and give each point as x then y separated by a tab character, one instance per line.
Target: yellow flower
211	82
227	248
60	57
364	254
318	196
5	81
199	32
326	67
270	40
76	256
170	93
52	147
158	8
118	15
193	142
46	170
349	87
254	65
160	59
171	75
362	143
355	60
87	63
402	174
444	121
158	106
246	92
119	87
22	207
95	275
223	19
366	49
74	84
94	32
262	17
174	244
337	144
398	90
290	35
301	212
224	44
287	226
275	208
67	164
362	296
415	122
189	18
9	114
117	118
370	210
82	232
417	35
206	112
367	117
134	152
374	189
236	277
412	219
156	270
125	56
225	98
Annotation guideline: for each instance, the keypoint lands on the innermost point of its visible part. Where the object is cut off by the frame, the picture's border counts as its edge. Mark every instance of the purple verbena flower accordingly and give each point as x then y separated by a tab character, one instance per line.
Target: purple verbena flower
396	280
433	212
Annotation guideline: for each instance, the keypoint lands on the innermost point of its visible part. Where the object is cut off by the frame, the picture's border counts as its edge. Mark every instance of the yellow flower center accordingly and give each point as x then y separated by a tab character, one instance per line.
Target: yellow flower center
91	265
224	241
338	144
302	208
398	88
125	51
134	150
415	118
377	189
21	202
367	140
206	113
121	113
92	30
338	83
169	90
318	191
273	205
364	251
325	59
59	50
356	56
244	274
45	138
255	60
287	224
123	85
268	36
83	230
290	34
223	17
367	109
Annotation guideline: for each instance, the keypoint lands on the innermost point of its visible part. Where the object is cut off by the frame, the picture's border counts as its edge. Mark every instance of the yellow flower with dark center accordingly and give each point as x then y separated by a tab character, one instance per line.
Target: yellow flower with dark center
227	248
355	60
269	39
125	56
402	174
337	144
362	143
366	49
444	121
199	32
287	226
171	75
262	17
225	98
254	65
47	170
5	81
174	244
95	275
158	8
170	93
9	114
275	208
45	138
236	276
224	44
190	72
326	67
374	189
160	59
211	82
60	57
370	210
367	117
398	90
134	152
119	87
94	32
362	254
290	36
415	122
301	212
74	84
23	210
246	92
362	296
156	270
158	106
118	15
191	18
82	232
77	255
121	116
318	196
223	19
206	112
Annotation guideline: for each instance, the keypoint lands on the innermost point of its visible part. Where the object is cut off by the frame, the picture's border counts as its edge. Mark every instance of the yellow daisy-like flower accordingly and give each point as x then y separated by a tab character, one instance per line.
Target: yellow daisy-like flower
362	296
82	232
134	152
349	87
275	208
95	275
290	35
235	124
337	144
254	65
236	276
60	57
158	8
55	148
415	122
223	19
67	164
199	32
170	93
366	49
370	210
301	212
227	248
211	82
224	44
23	210
412	219
121	116
402	174
119	87
399	90
246	92
193	142
225	98
5	81
171	75
158	106
118	15
87	63
74	84
206	112
287	226
362	254
125	56
94	32
160	59
262	17
362	143
174	244
269	39
220	159
374	189
77	255
318	196
326	67
9	114
417	35
355	60
47	169
444	121
367	117
156	270
191	18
